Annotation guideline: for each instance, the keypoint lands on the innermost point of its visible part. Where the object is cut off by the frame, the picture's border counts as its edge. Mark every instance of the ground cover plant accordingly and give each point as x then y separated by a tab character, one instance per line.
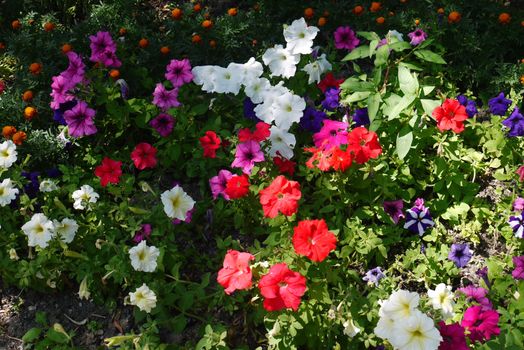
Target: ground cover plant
255	176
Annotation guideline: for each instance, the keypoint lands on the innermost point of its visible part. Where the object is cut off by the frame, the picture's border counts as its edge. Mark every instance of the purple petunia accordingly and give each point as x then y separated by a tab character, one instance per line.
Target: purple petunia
312	119
345	38
249	110
103	50
394	209
178	72
460	254
499	105
516	224
163	124
331	99
143	233
417	37
374	275
164	98
361	117
248	153
518	271
332	134
33	187
80	120
418	220
218	184
518	204
476	294
515	123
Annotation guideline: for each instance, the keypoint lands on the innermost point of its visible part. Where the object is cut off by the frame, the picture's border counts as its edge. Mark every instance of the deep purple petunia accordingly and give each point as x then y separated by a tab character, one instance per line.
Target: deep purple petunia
480	324
418	36
218	184
312	119
60	91
164	98
516	224
515	123
418	220
163	124
80	120
249	110
374	275
248	153
331	100
518	271
453	337
460	254
463	100
33	187
76	70
499	105
345	38
394	209
178	72
361	117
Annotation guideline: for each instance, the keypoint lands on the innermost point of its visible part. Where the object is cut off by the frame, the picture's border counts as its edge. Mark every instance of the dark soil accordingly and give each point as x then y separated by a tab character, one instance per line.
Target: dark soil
89	322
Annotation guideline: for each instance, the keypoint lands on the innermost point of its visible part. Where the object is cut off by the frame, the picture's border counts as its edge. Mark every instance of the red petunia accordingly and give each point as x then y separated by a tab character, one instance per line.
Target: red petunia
237	186
144	156
282	288
341	160
320	158
285	166
235	273
363	144
312	239
329	81
260	134
210	142
109	171
281	196
450	116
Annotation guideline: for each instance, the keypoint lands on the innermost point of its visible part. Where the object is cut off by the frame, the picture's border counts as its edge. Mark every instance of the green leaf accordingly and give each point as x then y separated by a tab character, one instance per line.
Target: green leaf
408	82
411	66
453	213
429	105
403	104
373	104
200	109
382	56
353	84
356	96
57	337
369	35
356	53
31	335
404	141
429	56
400	46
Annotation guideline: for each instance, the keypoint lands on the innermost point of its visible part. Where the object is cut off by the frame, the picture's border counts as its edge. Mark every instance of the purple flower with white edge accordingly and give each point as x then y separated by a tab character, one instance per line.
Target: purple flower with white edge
518	271
374	275
516	224
418	221
178	72
143	233
331	99
164	98
218	184
312	119
518	204
499	105
515	123
394	209
345	38
460	254
80	120
163	124
248	153
361	117
417	37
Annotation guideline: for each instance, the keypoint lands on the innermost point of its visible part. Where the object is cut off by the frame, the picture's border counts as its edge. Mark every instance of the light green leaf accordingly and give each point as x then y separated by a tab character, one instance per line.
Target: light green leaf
429	105
408	82
356	53
430	56
373	104
356	96
382	55
427	89
455	212
372	46
400	46
404	141
411	66
402	105
369	35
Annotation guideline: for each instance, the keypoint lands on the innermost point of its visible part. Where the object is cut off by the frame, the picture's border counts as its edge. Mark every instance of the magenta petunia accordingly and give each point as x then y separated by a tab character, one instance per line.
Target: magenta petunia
178	72
518	272
476	294
60	91
80	120
332	134
417	37
453	337
345	38
164	98
163	124
218	184
481	324
248	153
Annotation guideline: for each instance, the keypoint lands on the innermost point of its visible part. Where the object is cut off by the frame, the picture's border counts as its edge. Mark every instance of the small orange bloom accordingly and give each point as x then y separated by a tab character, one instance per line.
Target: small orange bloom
212	43
176	14
30	113
2	45
16	24
197	8
66	48
8	131
309	13
357	10
504	18
325	14
122	31
522	79
380	20
440	11
417	22
164	50
454	17
232	11
375	6
196	39
207	24
114	73
322	21
35	68
49	26
19	137
27	96
143	43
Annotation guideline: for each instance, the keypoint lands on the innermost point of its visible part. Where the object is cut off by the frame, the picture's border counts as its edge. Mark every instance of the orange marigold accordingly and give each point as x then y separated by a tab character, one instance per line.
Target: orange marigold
375	6
8	131
357	10
380	20
309	13
232	11
176	14
454	17
19	137
30	113
143	43
27	95
504	18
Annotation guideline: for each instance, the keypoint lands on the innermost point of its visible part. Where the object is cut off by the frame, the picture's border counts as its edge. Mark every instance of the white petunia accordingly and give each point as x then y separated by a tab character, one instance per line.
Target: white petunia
281	61
401	304
7	154
442	298
177	203
39	230
417	332
66	229
350	329
144	298
265	110
257	89
227	80
7	192
288	109
85	195
143	258
299	37
385	328
282	142
204	75
249	71
317	68
48	185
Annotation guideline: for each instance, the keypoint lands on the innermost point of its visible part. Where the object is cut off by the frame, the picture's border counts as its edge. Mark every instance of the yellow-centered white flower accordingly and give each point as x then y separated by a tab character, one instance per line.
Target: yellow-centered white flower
143	258
177	203
7	192
85	195
442	298
299	37
66	229
144	298
7	154
417	332
400	305
39	230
